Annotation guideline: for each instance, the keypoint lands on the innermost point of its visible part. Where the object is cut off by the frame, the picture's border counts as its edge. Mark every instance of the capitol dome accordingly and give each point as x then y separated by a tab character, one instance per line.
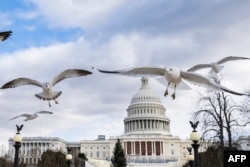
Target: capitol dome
145	95
146	114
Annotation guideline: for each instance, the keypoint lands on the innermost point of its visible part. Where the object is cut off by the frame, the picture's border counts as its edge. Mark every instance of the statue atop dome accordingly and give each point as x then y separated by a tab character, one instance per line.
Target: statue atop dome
144	83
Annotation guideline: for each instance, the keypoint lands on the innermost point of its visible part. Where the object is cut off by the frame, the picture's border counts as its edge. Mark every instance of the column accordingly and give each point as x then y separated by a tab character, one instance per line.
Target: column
133	148
140	147
152	148
125	147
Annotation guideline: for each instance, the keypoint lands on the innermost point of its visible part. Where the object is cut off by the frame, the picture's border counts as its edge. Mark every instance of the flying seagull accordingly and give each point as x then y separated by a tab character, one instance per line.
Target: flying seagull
173	77
31	116
47	93
215	66
4	35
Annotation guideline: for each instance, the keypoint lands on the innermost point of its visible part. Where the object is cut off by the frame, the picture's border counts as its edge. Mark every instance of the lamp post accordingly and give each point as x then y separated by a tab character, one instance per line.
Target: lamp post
68	157
195	137
190	157
17	139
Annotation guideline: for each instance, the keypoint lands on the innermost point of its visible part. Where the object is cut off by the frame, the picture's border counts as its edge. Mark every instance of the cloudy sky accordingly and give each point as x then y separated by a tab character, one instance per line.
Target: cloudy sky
51	36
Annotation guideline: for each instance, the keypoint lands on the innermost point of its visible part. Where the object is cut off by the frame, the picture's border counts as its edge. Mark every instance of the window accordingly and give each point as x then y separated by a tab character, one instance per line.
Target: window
137	148
128	147
149	148
172	151
143	148
157	148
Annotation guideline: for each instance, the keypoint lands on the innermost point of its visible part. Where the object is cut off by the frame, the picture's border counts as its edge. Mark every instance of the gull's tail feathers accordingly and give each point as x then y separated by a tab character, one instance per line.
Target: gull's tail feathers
55	95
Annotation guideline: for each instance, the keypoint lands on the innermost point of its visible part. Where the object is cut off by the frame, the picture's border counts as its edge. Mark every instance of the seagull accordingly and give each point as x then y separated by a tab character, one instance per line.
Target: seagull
4	35
47	93
31	116
215	66
173	77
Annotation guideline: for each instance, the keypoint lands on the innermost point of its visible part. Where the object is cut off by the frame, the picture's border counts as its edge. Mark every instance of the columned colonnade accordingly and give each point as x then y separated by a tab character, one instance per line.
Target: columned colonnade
146	124
144	148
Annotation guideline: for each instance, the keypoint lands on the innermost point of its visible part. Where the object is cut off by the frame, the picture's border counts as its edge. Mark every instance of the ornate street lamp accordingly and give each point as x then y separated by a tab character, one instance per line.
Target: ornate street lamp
68	157
190	157
17	139
195	137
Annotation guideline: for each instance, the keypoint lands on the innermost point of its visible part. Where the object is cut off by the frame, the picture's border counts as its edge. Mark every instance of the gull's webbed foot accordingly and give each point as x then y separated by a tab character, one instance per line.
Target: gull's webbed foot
49	104
173	96
166	93
56	102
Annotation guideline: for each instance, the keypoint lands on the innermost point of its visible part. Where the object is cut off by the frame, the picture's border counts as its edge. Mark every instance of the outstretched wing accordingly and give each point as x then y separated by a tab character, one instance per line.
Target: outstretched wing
20	82
44	112
231	58
4	35
22	115
70	73
138	71
206	82
198	67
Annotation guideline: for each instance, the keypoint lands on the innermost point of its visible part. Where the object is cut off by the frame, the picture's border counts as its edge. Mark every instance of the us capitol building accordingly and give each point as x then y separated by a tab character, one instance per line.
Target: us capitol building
147	138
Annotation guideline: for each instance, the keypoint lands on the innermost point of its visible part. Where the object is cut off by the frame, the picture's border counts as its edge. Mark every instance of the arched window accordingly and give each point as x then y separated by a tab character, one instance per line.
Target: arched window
97	154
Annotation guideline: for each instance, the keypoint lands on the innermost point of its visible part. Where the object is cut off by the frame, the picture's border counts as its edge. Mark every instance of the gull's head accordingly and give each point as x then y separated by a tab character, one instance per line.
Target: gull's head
173	74
47	86
172	70
215	67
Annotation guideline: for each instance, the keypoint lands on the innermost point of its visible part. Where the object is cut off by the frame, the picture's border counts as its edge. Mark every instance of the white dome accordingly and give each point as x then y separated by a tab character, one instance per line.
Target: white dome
145	94
146	114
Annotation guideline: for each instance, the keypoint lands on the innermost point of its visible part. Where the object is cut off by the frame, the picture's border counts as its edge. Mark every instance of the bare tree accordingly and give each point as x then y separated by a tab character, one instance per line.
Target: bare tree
220	116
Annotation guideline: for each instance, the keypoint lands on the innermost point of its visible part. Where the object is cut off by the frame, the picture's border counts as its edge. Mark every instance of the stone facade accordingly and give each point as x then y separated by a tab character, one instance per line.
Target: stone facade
146	139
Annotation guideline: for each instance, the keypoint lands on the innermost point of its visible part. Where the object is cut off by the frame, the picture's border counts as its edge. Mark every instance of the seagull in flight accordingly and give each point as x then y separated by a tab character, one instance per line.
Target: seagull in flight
47	88
216	66
174	78
4	35
29	117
